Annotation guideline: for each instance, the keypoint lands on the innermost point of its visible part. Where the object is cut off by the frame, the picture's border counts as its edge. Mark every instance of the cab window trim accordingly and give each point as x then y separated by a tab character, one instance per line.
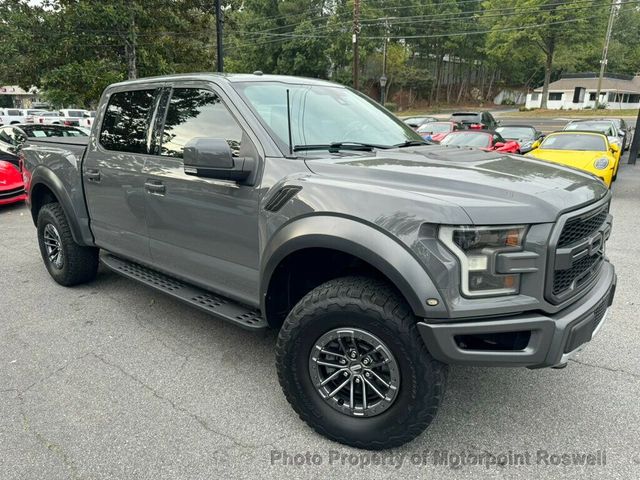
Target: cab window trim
158	88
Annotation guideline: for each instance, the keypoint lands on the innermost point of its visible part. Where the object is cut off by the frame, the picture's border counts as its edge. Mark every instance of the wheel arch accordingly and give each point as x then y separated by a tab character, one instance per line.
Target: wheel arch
376	252
45	187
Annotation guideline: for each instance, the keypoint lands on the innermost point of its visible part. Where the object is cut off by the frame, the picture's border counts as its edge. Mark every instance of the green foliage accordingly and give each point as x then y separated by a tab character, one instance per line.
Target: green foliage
88	78
73	48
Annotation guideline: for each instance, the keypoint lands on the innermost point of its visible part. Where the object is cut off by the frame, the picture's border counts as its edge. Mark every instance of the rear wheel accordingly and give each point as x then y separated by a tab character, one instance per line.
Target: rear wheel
67	262
353	366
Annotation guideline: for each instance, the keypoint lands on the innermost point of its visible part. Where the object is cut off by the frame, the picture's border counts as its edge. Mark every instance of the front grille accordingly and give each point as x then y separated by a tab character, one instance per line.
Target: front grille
580	272
578	253
581	228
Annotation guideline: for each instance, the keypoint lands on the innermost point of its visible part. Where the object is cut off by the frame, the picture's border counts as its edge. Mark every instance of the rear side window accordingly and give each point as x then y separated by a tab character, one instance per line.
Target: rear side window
194	113
126	120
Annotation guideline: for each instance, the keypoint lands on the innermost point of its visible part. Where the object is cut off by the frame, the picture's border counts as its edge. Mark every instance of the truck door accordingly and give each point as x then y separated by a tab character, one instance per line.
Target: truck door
201	229
113	173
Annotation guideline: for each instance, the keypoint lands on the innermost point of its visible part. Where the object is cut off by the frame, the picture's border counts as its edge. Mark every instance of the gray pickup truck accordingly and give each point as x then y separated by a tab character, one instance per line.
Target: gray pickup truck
302	206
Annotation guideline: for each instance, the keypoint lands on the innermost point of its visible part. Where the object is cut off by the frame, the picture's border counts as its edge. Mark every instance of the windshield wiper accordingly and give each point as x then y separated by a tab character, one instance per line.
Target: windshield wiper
412	143
337	146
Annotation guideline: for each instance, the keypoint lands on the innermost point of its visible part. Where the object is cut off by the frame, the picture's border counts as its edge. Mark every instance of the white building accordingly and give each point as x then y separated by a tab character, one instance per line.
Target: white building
576	91
13	96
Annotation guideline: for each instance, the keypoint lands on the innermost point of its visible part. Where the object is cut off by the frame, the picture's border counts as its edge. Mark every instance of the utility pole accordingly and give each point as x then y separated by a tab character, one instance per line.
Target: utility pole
605	51
356	52
635	143
383	78
219	52
130	51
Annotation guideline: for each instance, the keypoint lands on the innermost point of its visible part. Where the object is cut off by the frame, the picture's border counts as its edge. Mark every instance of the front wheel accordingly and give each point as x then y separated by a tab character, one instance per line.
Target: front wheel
353	366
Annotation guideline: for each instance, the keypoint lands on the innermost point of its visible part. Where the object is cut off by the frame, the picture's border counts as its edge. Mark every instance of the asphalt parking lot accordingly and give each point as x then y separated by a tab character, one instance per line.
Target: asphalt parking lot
114	380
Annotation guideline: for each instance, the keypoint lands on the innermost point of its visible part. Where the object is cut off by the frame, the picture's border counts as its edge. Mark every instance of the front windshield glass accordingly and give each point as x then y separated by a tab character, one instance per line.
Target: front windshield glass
435	127
468	139
323	114
603	127
574	141
516	132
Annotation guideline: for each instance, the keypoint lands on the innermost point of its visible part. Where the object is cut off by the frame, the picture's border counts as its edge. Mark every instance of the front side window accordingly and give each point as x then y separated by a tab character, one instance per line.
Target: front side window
194	113
126	120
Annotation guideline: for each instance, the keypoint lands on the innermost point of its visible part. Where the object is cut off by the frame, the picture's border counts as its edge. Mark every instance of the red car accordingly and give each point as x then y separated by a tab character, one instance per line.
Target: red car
11	184
436	131
484	140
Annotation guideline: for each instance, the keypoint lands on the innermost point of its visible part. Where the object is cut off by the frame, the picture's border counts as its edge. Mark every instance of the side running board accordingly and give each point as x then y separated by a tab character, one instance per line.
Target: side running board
221	307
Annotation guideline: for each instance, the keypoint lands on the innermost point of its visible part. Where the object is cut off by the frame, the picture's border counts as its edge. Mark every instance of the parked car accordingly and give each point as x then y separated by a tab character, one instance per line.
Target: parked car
624	131
484	140
11	184
75	117
588	151
436	131
48	118
475	120
87	120
417	122
607	127
12	137
30	114
13	116
299	205
525	135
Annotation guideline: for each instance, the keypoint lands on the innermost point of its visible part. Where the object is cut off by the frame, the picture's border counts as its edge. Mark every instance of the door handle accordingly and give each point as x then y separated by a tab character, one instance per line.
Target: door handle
93	175
155	187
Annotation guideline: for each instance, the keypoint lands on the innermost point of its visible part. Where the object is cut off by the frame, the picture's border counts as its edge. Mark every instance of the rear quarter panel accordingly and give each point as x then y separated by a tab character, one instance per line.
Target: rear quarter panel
57	166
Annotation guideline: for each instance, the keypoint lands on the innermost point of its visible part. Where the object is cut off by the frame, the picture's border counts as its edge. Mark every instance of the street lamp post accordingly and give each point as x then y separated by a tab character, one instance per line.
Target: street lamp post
383	84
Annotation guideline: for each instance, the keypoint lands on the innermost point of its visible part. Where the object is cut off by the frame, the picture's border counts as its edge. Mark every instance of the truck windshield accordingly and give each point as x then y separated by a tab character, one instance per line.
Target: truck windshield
323	115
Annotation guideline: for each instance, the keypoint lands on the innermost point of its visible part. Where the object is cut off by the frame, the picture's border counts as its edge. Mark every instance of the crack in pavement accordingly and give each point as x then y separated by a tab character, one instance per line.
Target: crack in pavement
609	369
56	371
202	422
53	447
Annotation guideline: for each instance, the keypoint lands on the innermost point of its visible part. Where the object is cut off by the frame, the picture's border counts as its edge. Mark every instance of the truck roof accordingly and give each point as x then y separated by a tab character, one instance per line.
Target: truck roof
231	78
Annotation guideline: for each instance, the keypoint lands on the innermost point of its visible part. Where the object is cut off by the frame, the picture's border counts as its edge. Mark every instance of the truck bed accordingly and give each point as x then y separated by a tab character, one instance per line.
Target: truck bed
83	141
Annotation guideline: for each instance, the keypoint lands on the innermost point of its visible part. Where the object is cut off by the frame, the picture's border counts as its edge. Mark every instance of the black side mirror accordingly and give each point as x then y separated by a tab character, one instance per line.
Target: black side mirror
212	158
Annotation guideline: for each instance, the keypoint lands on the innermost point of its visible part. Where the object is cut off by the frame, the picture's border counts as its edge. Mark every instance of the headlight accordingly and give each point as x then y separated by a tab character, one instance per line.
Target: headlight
476	248
526	144
601	163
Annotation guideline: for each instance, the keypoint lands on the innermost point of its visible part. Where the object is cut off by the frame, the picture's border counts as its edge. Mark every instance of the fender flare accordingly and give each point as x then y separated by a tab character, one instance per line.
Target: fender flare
363	241
79	226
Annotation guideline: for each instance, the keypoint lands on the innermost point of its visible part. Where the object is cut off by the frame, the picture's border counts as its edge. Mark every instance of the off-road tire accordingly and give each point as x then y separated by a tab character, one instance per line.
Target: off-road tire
373	306
79	264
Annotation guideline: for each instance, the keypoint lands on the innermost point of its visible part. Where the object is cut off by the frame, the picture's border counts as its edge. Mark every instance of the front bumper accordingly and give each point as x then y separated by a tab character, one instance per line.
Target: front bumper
552	339
12	195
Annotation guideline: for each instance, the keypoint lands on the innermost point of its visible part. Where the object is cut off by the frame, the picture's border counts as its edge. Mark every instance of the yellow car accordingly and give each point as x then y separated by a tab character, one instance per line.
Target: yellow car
589	151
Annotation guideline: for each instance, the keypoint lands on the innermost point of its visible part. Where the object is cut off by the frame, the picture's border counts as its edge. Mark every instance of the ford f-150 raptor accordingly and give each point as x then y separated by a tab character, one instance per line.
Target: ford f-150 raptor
301	205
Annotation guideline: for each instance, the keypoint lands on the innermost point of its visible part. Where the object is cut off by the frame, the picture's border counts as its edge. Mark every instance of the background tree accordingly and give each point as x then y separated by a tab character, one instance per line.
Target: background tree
550	26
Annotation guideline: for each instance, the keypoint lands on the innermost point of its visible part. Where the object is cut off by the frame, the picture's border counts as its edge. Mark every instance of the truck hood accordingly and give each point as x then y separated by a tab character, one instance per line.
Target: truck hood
492	188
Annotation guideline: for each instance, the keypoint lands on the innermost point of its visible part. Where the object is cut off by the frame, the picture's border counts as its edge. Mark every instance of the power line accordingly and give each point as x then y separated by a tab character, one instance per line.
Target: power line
443	16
